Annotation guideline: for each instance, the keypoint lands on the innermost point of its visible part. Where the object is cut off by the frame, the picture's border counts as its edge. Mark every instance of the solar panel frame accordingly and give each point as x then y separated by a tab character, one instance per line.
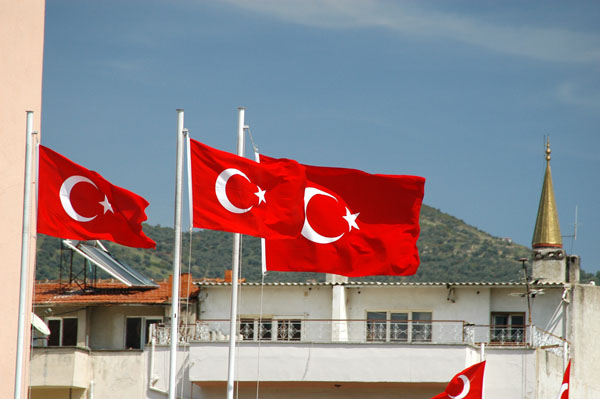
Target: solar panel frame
119	270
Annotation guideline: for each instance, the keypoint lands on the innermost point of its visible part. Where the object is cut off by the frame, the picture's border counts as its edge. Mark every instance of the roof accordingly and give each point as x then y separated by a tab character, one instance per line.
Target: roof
105	292
388	284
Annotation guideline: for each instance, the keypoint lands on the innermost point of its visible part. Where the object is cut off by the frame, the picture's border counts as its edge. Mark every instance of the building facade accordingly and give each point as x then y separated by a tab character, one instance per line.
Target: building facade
99	333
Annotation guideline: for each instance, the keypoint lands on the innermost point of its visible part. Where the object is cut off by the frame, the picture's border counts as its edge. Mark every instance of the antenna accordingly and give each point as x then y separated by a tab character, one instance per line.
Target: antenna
574	235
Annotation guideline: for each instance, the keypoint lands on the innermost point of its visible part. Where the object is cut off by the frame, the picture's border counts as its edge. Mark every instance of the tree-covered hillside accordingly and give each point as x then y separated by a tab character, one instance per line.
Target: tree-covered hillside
450	250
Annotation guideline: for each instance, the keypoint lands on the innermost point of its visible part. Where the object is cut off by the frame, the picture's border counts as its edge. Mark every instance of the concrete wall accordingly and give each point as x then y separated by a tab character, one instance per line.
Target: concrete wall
469	304
308	302
584	326
119	374
510	373
60	367
21	41
107	323
550	371
331	362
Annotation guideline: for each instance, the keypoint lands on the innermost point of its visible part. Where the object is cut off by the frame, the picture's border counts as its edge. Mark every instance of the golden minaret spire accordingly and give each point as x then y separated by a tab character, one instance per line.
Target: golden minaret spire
547	227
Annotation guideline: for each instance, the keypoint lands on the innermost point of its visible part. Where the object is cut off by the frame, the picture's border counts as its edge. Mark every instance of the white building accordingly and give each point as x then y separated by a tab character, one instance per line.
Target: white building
336	338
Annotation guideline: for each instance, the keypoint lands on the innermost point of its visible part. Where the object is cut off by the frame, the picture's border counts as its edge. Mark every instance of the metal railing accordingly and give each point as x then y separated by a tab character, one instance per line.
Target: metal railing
550	342
363	331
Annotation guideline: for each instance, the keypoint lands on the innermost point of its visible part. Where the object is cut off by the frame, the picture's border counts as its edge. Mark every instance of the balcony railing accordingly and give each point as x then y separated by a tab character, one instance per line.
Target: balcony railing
364	332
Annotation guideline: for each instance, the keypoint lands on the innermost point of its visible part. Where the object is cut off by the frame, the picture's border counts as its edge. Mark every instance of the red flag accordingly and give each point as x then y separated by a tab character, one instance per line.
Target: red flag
564	388
468	384
79	204
357	224
236	194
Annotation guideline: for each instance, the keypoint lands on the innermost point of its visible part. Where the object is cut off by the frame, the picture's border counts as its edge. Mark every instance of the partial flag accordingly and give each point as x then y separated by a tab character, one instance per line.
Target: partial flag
355	224
236	194
468	384
564	388
79	204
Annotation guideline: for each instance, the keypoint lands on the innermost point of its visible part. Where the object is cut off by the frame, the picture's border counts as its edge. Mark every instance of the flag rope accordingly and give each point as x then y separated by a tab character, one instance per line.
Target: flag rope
237	316
187	297
254	147
262	284
260	315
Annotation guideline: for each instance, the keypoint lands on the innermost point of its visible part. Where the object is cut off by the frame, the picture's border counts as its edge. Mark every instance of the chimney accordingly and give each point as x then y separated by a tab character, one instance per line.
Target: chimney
228	276
185	285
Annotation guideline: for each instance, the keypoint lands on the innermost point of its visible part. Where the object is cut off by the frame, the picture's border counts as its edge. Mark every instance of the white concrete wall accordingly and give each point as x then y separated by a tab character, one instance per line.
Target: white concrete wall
471	304
308	302
60	367
119	374
510	373
584	314
550	372
330	362
107	323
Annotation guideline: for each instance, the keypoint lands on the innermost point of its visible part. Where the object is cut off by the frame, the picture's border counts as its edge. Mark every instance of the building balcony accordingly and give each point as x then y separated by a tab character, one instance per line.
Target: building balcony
60	367
395	351
440	332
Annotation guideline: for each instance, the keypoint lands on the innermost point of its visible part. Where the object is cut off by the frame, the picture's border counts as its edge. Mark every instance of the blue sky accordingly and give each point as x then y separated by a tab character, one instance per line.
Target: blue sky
460	92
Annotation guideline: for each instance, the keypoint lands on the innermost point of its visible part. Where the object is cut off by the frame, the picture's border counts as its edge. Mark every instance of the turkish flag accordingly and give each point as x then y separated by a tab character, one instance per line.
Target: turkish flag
468	384
564	388
236	194
356	224
79	204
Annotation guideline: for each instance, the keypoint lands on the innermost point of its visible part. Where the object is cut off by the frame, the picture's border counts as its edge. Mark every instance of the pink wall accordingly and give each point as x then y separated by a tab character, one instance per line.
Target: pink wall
21	49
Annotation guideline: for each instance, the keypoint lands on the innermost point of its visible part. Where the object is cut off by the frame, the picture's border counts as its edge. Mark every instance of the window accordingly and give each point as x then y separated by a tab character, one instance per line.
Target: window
289	330
376	326
421	327
508	327
399	326
254	329
63	331
137	331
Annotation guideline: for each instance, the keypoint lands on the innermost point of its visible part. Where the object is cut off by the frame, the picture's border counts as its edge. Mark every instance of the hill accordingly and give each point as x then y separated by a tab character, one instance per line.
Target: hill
450	250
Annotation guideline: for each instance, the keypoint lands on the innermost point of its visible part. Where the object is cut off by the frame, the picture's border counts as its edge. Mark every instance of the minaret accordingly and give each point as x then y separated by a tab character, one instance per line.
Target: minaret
549	261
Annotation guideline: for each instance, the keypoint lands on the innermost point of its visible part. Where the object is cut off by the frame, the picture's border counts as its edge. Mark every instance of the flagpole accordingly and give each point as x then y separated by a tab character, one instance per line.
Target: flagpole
176	259
263	251
24	286
237	239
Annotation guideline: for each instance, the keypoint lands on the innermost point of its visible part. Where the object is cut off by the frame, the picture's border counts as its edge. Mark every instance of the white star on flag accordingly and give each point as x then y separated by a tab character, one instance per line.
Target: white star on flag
107	206
261	195
351	219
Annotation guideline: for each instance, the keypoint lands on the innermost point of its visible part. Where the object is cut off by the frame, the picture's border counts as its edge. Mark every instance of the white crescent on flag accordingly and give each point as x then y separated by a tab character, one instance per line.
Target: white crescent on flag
65	197
221	191
465	390
307	230
563	388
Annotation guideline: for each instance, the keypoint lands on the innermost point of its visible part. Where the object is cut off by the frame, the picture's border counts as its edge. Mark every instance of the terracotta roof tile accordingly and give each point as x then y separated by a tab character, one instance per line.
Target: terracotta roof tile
108	292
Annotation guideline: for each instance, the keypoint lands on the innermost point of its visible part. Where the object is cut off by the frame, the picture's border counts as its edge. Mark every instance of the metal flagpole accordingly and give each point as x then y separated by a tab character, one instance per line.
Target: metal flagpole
237	239
24	256
176	260
263	256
